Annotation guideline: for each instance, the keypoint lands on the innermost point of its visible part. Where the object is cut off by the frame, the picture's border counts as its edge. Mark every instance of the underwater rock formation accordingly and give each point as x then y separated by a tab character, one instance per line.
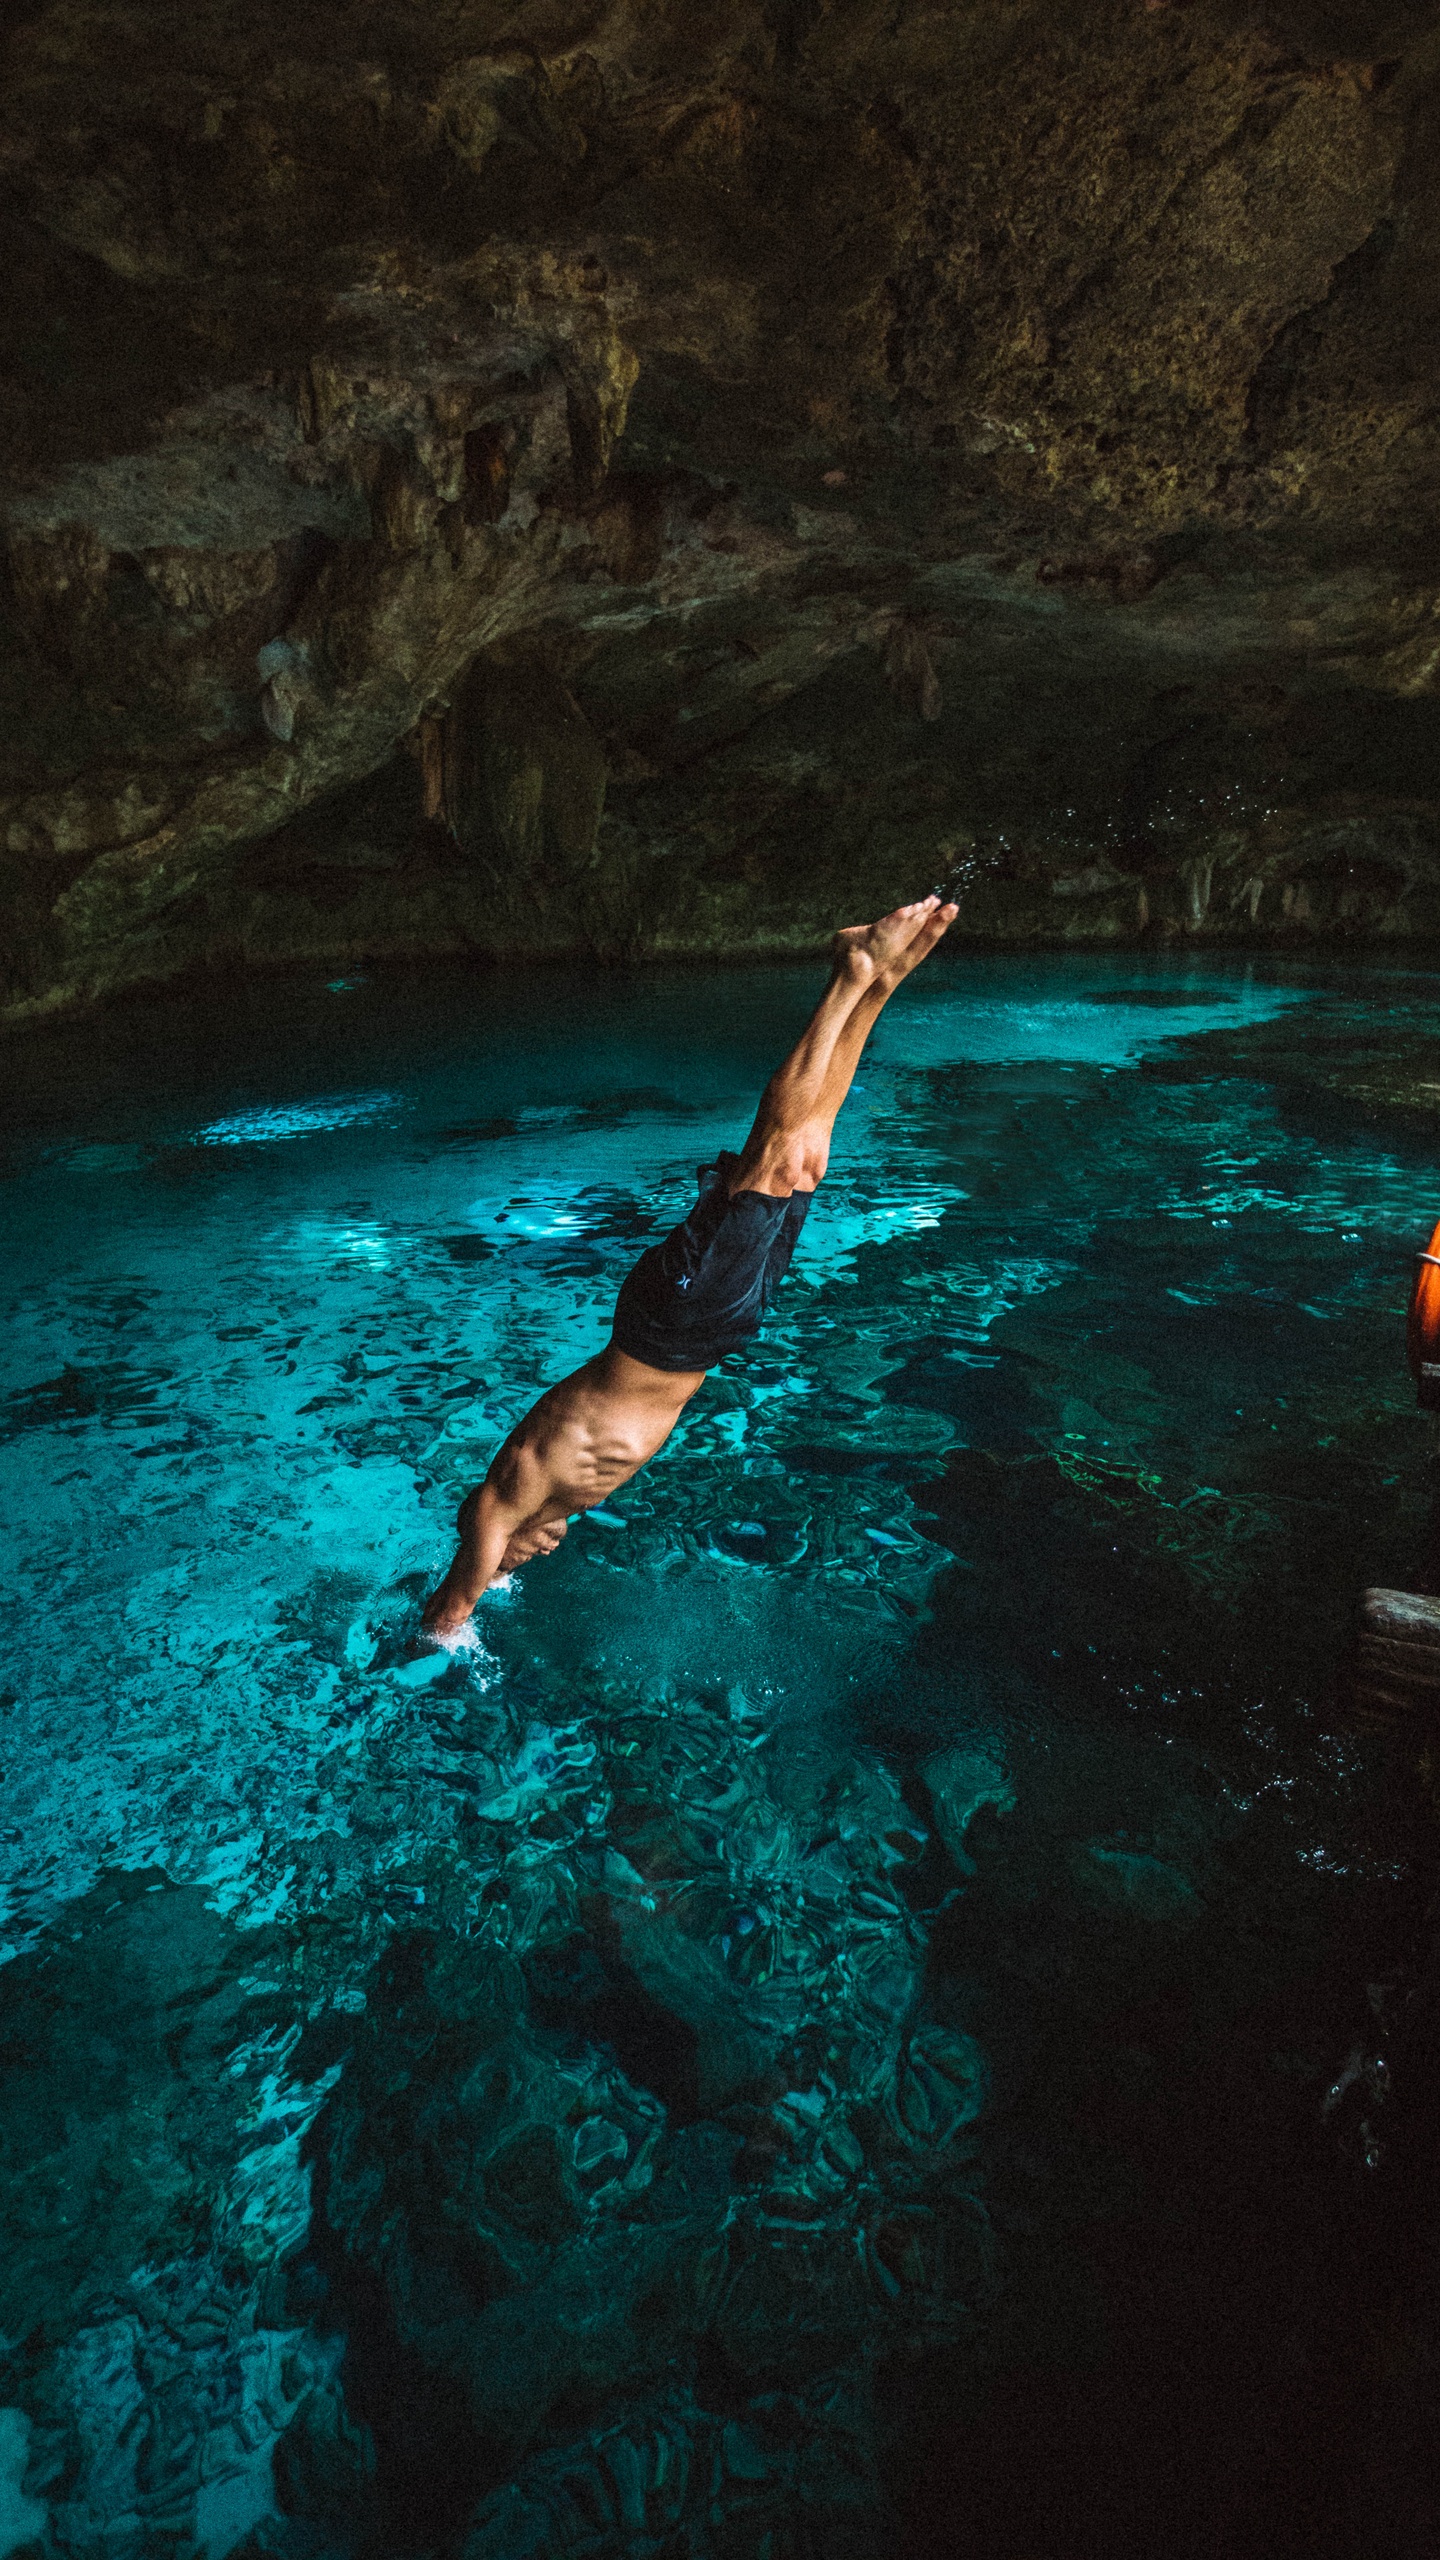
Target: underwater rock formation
723	2211
640	2166
740	455
161	2392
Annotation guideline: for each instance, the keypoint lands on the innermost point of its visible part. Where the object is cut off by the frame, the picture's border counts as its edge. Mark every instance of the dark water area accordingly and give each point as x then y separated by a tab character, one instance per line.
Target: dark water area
853	2019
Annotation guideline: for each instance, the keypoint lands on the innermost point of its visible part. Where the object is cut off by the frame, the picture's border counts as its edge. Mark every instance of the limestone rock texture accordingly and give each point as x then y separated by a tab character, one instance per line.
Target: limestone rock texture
510	476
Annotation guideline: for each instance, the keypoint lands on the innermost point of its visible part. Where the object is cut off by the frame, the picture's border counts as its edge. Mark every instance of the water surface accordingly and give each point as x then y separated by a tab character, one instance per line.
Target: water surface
871	1926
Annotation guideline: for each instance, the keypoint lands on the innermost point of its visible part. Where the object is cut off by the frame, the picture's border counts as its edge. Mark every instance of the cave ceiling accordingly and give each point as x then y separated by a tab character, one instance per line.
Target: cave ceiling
643	477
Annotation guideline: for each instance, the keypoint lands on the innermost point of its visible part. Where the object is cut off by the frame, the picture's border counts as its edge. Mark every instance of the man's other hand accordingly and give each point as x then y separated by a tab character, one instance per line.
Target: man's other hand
535	1539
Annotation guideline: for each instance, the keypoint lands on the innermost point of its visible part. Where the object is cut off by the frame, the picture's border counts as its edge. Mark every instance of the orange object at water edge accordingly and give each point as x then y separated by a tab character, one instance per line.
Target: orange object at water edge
1422	1342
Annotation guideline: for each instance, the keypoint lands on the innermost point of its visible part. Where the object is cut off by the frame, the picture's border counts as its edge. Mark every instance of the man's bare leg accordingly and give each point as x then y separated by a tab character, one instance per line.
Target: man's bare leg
789	1146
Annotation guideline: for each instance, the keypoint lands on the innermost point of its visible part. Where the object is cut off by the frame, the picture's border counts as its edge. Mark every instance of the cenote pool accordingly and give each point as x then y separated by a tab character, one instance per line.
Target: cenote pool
819	2037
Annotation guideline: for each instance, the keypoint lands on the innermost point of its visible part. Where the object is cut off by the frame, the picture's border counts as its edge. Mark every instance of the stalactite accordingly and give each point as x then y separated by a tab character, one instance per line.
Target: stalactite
910	665
511	768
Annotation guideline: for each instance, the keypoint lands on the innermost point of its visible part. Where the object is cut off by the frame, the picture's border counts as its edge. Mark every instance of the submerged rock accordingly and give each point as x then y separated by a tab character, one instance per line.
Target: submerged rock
151	2188
960	1783
741	2144
22	2518
1149	1887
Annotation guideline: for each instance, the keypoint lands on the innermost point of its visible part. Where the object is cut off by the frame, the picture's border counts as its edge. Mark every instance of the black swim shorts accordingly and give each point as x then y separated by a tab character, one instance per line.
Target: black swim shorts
706	1289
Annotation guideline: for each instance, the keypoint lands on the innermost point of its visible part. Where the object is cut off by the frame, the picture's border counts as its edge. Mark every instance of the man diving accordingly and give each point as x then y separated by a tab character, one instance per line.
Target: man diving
700	1294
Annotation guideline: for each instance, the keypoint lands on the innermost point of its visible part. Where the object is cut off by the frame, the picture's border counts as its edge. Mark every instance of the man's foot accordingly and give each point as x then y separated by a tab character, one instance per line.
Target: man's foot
886	952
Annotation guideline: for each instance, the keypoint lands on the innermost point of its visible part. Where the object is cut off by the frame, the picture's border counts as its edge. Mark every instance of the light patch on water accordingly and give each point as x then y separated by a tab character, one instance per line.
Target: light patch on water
952	1021
848	1214
105	1160
1322	1207
270	1123
541	1211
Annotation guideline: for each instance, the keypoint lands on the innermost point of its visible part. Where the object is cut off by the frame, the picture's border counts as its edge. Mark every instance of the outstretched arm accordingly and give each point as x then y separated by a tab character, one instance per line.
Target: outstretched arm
487	1523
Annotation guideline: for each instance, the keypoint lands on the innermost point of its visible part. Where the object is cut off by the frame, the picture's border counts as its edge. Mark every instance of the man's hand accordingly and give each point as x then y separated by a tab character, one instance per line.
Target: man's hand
535	1539
486	1525
448	1611
446	1620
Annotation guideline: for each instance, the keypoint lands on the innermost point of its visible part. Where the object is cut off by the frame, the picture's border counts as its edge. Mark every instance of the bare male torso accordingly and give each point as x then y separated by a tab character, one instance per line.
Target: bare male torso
584	1438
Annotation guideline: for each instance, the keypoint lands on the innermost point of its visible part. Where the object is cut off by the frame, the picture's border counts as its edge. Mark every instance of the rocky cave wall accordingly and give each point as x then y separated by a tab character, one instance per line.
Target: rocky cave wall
573	475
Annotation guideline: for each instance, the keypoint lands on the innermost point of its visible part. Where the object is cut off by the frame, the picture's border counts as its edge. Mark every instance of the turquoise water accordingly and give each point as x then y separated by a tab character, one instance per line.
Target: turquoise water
874	1920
